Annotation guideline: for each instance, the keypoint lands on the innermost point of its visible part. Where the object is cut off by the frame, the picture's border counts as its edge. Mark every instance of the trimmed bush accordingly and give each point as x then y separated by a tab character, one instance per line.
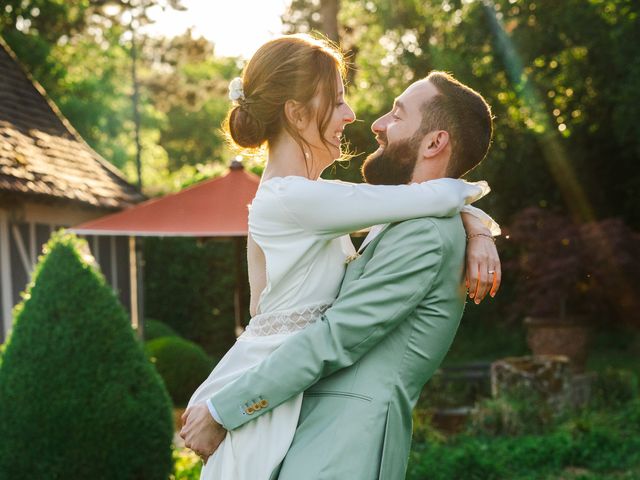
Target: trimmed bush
78	398
183	365
155	329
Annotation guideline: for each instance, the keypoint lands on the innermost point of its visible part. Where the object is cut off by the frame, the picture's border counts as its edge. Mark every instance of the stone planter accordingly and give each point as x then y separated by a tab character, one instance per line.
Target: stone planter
552	336
548	375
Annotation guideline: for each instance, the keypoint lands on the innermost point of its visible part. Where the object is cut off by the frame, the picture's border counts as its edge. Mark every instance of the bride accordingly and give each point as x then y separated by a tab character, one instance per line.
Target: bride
291	99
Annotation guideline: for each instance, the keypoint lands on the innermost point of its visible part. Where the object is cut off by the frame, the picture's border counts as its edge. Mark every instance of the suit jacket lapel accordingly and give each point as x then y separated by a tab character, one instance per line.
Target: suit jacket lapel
367	241
356	266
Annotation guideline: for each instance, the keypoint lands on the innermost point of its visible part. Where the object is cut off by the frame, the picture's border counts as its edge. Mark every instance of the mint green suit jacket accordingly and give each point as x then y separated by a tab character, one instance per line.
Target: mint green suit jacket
365	363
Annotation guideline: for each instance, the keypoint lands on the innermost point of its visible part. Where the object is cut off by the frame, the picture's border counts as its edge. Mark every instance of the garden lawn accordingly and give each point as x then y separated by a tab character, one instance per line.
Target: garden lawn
590	445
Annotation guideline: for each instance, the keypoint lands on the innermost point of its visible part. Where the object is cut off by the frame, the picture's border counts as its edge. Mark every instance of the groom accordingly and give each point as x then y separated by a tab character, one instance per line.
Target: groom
363	366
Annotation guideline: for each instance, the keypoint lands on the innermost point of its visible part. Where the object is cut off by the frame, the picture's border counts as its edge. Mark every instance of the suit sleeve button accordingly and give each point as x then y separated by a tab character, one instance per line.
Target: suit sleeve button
250	410
264	403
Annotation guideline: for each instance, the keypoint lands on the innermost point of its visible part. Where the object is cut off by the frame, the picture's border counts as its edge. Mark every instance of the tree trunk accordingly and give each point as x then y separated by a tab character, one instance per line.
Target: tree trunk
329	15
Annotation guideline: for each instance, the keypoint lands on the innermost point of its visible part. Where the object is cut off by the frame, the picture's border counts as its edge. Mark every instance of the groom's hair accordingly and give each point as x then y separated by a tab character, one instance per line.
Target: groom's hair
465	115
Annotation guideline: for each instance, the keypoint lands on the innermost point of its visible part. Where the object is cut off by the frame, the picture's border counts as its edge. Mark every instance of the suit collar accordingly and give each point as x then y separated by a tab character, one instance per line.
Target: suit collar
374	233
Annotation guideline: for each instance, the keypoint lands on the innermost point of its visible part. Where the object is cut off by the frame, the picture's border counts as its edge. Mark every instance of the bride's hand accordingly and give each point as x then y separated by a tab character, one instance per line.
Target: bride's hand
483	271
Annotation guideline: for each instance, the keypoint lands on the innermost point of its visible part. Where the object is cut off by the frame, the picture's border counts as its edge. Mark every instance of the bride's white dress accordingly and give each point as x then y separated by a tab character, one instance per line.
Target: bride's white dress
302	226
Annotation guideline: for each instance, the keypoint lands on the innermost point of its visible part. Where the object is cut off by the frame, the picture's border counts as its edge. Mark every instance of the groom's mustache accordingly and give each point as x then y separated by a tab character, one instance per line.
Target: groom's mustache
381	138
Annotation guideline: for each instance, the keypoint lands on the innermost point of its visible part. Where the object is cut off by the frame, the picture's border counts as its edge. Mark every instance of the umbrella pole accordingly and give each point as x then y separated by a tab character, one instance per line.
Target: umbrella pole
140	284
237	296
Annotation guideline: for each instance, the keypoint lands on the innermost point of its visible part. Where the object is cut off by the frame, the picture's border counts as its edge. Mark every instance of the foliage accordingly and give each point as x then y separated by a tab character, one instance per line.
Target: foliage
155	329
600	441
182	364
577	268
188	85
485	335
614	388
443	392
78	398
423	429
561	78
190	287
81	53
615	348
519	413
186	465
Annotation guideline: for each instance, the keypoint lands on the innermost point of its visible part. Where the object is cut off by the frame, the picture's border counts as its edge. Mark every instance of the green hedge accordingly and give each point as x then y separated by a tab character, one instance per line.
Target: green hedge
155	329
189	285
182	364
78	398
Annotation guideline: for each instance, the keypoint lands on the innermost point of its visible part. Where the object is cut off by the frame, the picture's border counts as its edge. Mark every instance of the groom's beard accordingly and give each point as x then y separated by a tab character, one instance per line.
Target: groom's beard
394	164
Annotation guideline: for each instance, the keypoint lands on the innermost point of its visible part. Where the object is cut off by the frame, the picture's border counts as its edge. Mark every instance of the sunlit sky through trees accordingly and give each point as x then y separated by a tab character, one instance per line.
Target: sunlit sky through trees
237	27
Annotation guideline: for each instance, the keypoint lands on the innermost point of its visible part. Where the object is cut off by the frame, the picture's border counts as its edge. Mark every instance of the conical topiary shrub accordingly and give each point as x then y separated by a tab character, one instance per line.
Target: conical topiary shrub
78	398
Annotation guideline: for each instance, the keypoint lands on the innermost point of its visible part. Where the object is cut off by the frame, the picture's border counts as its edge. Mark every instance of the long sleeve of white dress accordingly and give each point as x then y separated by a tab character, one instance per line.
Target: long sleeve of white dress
301	227
332	208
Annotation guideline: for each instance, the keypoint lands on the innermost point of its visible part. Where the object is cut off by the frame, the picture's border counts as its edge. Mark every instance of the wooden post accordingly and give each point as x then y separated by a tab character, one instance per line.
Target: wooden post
133	282
114	264
7	286
140	285
33	253
27	264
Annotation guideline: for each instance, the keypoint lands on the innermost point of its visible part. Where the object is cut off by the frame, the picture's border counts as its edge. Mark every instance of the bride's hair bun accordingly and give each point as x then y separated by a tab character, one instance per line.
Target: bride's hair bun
246	130
292	67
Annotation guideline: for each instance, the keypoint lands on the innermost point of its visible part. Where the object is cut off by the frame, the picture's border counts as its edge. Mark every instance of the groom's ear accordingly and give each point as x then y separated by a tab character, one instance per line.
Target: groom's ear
296	114
435	143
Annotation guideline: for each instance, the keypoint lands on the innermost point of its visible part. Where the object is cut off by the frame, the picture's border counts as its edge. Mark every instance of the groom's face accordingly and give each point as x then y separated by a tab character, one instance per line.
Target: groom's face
400	137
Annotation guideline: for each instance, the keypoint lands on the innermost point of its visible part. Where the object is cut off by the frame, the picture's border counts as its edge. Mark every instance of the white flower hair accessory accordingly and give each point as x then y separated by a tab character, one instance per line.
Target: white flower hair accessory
236	93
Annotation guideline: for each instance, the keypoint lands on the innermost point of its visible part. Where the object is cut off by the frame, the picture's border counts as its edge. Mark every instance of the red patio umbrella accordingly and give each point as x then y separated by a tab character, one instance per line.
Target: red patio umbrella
212	208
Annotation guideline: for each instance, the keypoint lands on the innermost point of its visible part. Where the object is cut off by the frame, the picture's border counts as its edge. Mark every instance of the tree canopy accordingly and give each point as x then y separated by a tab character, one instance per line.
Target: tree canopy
561	77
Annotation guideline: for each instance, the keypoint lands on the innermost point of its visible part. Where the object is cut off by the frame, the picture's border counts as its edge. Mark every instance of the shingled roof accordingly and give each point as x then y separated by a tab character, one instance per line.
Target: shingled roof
42	155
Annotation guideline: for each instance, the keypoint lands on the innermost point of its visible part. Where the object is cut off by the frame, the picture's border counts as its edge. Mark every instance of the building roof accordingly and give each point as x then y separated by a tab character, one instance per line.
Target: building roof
42	155
212	208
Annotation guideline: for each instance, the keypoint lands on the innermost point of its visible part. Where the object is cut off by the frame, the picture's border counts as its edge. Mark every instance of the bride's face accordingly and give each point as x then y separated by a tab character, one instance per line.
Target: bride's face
341	114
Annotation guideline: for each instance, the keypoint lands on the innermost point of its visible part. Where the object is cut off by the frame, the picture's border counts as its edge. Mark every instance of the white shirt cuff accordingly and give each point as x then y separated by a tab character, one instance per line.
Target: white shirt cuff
214	412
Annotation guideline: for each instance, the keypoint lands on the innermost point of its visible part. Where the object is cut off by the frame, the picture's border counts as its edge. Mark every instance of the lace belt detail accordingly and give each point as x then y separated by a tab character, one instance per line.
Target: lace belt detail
284	321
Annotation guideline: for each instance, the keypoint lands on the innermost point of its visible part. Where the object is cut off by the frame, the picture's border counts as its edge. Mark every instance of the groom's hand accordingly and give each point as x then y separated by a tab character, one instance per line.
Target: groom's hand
201	433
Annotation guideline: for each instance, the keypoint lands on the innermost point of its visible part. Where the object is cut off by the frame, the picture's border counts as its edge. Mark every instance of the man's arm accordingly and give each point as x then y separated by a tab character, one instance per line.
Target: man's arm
402	269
